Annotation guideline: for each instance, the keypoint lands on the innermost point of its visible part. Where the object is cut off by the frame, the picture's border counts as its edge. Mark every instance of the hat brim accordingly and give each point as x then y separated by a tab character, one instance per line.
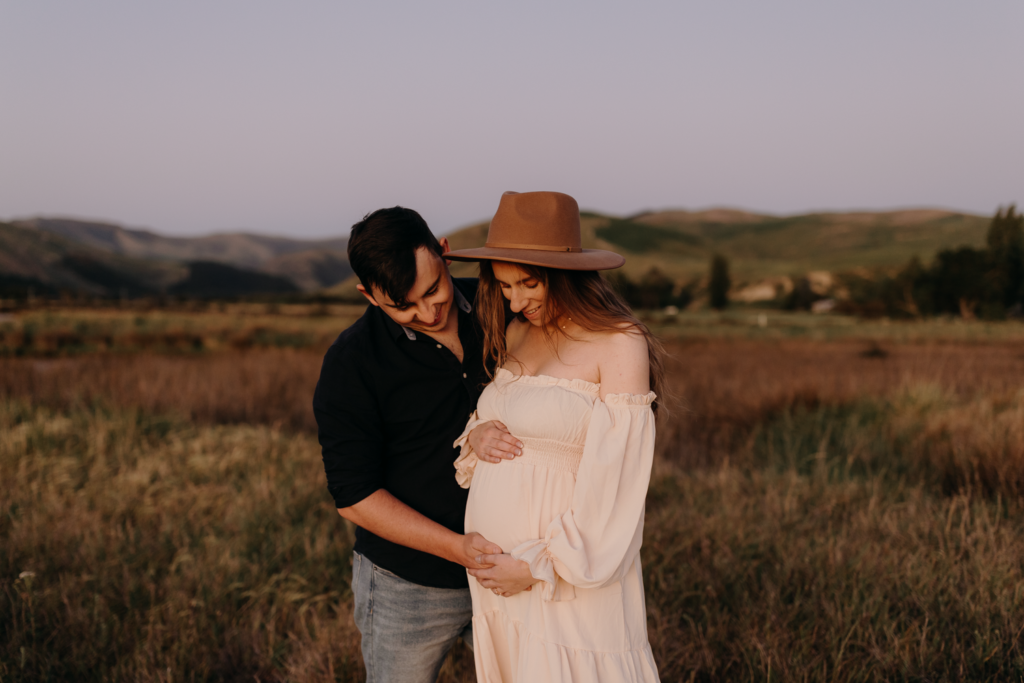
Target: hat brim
588	259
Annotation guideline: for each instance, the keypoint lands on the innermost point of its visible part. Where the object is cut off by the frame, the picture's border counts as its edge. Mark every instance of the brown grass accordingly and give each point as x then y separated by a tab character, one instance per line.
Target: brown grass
725	388
721	388
160	551
977	447
266	386
778	576
197	327
820	511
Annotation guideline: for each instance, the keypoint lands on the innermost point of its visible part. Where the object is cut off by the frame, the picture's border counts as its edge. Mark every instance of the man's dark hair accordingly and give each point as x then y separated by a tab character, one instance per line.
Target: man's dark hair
382	250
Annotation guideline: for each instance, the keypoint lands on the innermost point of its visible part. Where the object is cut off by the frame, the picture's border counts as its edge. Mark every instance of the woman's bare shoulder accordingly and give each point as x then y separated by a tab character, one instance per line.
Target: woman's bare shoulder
623	362
627	339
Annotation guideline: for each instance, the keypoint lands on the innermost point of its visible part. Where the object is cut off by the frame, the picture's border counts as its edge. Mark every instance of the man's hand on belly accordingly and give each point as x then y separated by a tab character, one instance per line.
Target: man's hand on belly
386	516
476	546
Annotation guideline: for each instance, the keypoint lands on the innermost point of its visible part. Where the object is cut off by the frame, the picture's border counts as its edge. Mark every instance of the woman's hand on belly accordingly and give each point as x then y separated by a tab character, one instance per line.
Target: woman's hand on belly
507	577
492	442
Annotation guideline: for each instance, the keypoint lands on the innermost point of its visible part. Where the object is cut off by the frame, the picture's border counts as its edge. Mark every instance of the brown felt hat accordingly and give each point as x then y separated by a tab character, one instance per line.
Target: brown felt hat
539	229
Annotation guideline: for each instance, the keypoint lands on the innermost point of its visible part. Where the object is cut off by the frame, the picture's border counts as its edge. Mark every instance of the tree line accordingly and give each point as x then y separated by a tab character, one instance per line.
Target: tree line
985	283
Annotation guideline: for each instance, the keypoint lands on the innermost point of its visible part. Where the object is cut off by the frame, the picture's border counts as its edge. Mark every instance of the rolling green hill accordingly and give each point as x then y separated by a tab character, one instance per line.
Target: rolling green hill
101	258
680	243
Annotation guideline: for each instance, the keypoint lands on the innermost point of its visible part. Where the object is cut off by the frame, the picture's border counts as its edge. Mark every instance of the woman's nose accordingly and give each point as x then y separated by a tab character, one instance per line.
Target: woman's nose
517	302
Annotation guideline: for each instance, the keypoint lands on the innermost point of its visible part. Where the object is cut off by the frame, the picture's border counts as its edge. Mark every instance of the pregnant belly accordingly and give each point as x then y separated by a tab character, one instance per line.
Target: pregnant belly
514	501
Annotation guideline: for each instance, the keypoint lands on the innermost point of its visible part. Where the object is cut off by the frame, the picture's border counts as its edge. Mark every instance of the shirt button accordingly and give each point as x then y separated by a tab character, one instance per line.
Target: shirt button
463	375
438	346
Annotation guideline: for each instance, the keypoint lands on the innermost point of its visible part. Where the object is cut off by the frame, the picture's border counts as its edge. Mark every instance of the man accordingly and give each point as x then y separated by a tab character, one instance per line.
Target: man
395	391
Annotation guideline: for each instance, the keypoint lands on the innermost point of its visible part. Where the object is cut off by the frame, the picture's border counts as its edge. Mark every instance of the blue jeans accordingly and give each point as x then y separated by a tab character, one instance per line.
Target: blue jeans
407	628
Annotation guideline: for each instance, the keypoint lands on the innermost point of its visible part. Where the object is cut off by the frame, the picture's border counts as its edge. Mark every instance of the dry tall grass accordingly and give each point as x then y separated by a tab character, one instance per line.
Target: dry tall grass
142	549
725	388
722	388
197	327
976	447
779	576
819	512
265	386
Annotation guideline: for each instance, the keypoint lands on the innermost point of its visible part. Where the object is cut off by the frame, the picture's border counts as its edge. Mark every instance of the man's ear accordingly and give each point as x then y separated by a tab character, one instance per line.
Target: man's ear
369	297
445	248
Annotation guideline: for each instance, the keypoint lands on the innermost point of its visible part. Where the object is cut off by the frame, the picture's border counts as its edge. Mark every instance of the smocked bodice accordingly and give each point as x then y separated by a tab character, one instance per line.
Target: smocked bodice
560	411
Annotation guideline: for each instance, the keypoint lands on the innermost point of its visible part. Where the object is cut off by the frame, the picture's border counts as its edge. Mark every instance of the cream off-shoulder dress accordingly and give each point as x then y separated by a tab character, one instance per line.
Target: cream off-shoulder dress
572	506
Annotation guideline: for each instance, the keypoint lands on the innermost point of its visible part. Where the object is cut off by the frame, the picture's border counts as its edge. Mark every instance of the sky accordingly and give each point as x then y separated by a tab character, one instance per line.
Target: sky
298	118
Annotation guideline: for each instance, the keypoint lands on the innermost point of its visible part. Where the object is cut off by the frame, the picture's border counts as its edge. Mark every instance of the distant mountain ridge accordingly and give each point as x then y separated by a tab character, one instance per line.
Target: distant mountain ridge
46	263
247	250
104	258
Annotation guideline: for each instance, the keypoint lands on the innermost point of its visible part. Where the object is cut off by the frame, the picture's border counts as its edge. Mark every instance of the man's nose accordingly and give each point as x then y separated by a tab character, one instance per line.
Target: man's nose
425	311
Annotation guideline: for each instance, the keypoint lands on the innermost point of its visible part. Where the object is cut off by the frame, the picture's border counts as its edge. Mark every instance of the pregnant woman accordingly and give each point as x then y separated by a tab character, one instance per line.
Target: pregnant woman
574	383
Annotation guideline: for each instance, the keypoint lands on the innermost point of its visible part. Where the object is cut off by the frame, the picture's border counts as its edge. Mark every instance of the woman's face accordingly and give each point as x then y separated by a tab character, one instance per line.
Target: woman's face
526	294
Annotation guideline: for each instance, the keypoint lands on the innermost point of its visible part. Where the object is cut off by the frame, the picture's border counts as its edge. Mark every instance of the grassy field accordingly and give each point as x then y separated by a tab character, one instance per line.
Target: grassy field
188	328
198	327
841	506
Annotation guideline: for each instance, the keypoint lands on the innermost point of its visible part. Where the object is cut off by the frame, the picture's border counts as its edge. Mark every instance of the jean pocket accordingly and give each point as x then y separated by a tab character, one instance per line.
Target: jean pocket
385	572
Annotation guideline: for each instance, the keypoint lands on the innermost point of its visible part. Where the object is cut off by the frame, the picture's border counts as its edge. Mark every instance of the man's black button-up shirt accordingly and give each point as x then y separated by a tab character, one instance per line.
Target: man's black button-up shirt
389	404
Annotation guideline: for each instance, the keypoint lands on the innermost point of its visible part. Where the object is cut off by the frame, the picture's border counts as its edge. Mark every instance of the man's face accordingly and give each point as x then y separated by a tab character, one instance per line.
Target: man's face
429	301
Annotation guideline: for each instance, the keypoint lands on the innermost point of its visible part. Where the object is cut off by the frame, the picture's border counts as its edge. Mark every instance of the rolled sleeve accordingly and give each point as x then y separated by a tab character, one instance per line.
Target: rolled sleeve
349	429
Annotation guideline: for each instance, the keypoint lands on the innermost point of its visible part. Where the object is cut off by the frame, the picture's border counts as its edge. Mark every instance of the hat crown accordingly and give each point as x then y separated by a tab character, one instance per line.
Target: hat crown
547	221
538	229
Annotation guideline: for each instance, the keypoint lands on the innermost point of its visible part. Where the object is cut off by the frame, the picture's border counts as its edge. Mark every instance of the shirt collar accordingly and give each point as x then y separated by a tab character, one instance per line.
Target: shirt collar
460	300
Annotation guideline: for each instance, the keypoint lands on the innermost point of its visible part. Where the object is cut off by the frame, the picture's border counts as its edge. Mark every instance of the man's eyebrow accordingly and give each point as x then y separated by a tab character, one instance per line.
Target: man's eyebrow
405	303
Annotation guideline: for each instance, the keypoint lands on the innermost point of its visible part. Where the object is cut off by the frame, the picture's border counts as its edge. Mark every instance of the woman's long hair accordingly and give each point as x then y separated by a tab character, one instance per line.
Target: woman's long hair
582	295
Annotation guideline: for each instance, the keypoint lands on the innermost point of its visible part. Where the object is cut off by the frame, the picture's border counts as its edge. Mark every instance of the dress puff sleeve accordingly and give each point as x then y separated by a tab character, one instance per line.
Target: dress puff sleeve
593	544
465	464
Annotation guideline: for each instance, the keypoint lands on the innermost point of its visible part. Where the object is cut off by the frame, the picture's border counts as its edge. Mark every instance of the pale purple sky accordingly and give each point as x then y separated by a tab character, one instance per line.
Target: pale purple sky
297	118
